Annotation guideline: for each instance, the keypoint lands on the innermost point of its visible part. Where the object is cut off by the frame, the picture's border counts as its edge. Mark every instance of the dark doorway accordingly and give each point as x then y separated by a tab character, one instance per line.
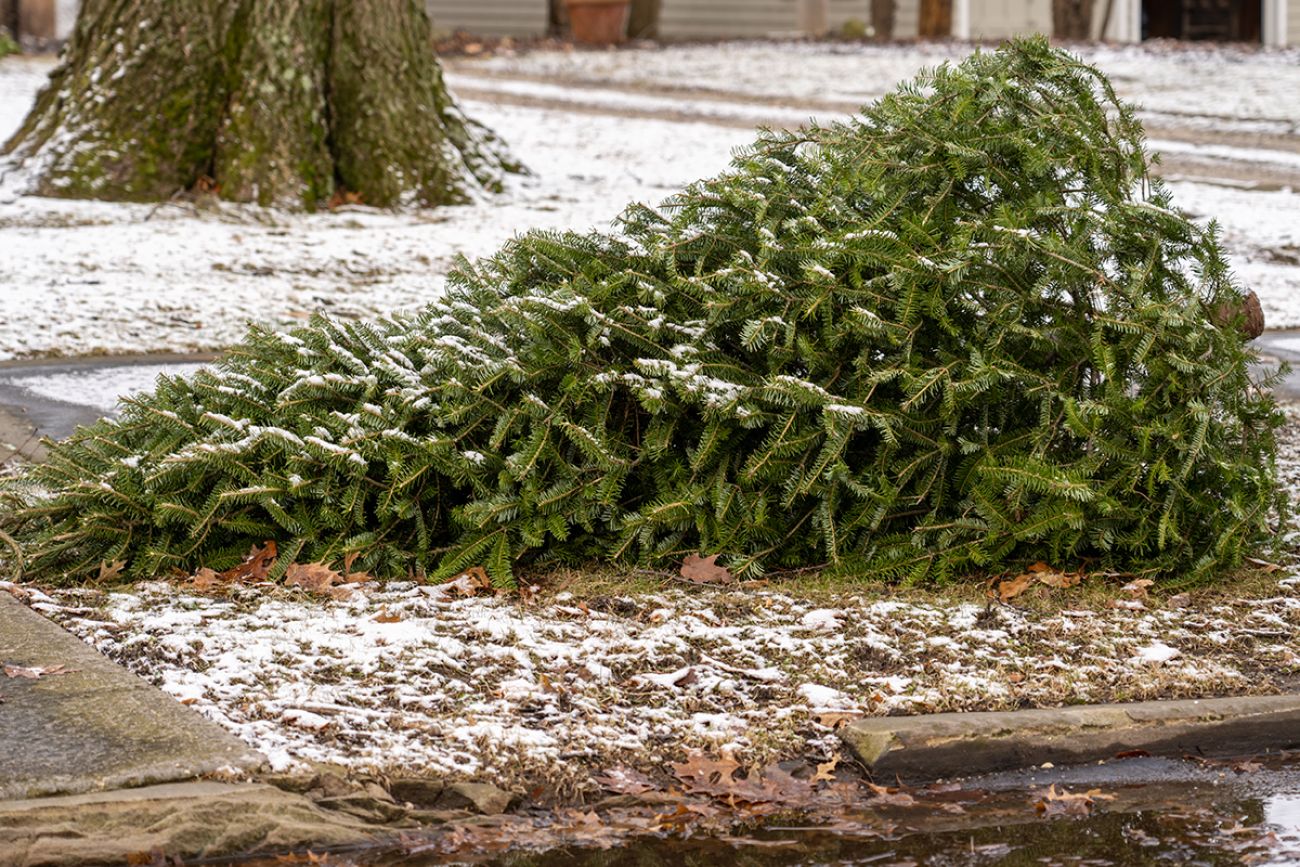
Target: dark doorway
1217	20
936	19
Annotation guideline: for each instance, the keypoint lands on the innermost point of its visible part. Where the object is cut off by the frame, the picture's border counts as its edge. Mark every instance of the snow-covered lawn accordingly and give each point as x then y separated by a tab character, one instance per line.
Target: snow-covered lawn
416	678
80	278
598	129
1229	83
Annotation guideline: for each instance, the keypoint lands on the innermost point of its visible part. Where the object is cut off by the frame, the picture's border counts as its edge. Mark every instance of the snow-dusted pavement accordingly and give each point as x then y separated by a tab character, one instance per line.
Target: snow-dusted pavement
599	129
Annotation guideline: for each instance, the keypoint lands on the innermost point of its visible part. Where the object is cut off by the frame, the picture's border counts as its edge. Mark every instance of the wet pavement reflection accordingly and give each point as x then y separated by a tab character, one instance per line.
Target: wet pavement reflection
1134	811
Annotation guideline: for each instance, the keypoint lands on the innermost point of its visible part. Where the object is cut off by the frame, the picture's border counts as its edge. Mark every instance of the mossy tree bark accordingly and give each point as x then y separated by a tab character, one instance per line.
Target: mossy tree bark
285	102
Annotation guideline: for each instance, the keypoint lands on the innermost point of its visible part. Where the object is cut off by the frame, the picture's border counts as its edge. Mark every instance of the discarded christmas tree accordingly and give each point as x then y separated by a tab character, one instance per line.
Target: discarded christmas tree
957	334
276	103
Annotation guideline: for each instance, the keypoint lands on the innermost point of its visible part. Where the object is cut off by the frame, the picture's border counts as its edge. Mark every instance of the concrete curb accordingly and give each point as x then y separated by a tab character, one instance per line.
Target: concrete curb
961	744
184	820
97	727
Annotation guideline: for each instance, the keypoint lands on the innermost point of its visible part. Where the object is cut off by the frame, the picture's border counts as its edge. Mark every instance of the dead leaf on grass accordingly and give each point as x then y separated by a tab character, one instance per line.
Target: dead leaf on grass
343	197
1263	565
206	580
1054	577
836	719
755	793
37	672
782	787
701	774
384	617
312	577
111	571
257	563
470	582
705	570
1010	588
1007	589
350	577
1138	588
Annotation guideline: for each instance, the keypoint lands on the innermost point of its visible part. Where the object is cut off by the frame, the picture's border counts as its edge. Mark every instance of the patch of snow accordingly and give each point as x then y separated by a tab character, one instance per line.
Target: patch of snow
1156	652
819	696
825	619
305	719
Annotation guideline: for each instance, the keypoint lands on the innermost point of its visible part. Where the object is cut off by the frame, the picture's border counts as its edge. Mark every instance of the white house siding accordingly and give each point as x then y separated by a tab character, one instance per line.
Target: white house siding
489	17
703	19
841	11
709	19
1001	19
907	19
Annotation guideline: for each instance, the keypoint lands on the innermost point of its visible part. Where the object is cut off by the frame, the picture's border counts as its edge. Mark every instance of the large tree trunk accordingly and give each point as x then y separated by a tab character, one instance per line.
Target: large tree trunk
285	102
1072	19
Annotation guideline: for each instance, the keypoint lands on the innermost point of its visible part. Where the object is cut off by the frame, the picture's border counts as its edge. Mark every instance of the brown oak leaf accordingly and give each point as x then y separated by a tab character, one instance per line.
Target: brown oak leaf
1063	803
705	570
312	577
257	563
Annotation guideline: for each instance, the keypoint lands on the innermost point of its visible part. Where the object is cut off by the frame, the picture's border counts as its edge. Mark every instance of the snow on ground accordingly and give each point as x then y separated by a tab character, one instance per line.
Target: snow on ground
80	278
1261	232
602	129
1230	83
416	678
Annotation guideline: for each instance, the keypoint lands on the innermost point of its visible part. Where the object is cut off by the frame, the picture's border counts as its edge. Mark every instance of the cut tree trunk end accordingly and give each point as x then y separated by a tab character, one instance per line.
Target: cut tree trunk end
294	103
1247	313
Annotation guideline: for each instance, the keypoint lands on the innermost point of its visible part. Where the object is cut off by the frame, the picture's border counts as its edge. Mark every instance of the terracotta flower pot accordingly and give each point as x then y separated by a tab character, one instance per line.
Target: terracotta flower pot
598	22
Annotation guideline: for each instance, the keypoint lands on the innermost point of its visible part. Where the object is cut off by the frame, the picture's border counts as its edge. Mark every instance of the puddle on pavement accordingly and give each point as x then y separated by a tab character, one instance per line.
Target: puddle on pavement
1144	811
